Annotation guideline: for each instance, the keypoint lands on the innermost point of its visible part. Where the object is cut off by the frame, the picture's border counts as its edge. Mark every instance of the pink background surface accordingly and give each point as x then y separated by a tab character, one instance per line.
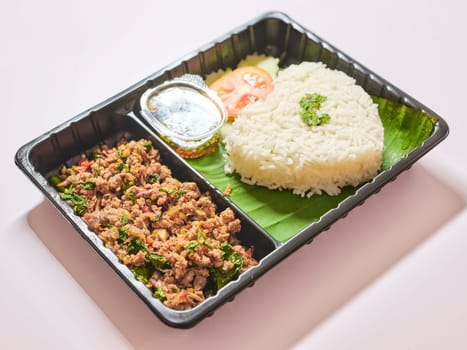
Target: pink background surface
390	275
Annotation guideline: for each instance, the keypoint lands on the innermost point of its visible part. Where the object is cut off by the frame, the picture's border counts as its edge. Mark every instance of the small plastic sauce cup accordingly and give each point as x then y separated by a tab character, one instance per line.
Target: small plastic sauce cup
186	114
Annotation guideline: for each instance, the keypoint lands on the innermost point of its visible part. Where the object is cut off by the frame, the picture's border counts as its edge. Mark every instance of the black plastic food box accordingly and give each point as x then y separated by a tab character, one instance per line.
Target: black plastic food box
271	34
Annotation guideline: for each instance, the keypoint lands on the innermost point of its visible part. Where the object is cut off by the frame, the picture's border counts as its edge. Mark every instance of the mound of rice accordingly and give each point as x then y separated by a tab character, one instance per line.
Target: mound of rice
269	144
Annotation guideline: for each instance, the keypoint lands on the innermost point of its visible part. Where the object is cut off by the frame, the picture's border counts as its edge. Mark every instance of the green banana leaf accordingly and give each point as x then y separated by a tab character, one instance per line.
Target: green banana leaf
284	214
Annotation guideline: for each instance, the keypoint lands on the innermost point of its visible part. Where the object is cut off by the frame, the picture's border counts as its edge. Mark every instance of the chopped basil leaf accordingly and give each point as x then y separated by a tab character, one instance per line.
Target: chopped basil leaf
122	235
55	180
88	185
172	191
126	185
190	248
237	260
147	146
121	154
142	273
312	101
131	197
227	250
220	277
124	219
153	178
310	104
202	239
71	170
135	245
159	294
158	261
79	204
157	217
122	166
96	155
122	232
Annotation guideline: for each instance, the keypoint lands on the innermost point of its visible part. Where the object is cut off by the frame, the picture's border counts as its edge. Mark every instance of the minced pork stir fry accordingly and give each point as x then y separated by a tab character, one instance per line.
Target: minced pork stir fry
166	231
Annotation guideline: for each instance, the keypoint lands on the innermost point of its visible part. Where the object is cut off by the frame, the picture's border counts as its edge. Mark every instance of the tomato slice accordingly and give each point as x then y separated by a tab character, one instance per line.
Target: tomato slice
242	86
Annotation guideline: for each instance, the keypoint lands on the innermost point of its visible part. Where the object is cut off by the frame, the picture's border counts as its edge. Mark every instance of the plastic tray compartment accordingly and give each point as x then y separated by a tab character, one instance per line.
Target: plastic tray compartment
272	34
65	145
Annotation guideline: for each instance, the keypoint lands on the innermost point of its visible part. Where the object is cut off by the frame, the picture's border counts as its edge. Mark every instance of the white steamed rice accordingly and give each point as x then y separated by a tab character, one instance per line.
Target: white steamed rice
269	144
